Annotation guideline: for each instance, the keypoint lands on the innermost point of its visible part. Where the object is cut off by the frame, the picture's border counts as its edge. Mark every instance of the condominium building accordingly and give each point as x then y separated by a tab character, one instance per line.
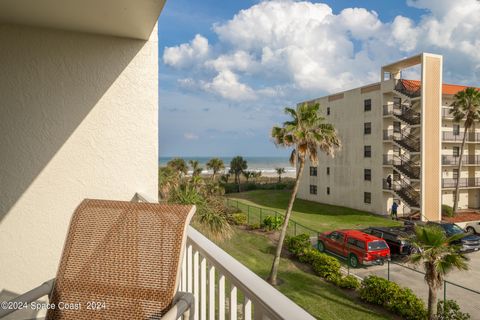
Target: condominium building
399	143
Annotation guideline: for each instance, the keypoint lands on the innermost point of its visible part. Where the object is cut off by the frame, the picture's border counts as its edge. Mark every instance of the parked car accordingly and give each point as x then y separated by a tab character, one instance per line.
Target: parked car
473	227
395	238
357	246
470	242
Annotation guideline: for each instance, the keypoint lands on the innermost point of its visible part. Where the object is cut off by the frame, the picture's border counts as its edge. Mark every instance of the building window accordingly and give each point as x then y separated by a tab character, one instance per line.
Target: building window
367	151
313	189
328	111
367	197
367	174
456	129
397	126
328	171
313	171
367	128
367	105
455	173
456	151
328	190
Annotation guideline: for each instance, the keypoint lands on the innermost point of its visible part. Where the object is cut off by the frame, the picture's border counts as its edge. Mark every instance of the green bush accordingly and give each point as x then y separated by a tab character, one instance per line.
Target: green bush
324	265
390	295
348	282
447	211
238	218
450	310
254	226
272	223
298	244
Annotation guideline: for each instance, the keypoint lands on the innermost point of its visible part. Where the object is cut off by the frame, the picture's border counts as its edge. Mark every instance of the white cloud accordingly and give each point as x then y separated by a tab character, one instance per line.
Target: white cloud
187	54
280	47
190	136
226	84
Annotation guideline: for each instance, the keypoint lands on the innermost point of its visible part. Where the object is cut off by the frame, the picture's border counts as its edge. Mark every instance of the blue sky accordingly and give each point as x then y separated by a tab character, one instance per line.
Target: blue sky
228	68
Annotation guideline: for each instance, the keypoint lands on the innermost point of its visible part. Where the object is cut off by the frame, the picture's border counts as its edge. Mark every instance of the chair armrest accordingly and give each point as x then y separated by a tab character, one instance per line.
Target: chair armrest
30	296
182	305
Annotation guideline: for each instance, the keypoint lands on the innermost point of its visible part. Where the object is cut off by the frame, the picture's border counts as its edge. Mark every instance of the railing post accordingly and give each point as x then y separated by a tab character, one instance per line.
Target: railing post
388	270
318	236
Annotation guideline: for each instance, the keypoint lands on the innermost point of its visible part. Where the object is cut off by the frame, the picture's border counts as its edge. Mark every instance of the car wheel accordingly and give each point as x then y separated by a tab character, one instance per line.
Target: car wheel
471	230
321	246
353	260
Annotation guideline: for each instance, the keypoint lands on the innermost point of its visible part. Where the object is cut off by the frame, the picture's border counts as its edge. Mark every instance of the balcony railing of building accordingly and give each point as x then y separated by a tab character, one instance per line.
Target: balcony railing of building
218	281
208	271
446	113
458	136
410	88
466	160
449	183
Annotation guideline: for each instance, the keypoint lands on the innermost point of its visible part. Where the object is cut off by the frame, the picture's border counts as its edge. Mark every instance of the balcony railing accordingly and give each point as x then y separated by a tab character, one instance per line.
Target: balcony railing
466	159
448	183
208	271
446	113
458	136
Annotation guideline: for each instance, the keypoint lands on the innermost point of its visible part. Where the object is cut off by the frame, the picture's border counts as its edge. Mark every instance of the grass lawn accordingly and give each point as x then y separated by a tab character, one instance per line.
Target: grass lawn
319	298
317	216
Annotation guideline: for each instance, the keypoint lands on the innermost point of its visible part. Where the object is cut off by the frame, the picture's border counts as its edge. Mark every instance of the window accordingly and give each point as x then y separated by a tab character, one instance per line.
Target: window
313	189
367	151
328	190
397	126
367	105
455	173
367	197
328	111
367	174
367	128
328	171
313	171
456	151
377	245
456	129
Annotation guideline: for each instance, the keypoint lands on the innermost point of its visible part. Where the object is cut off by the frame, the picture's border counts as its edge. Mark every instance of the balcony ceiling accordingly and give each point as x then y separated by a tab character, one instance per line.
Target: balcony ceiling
123	18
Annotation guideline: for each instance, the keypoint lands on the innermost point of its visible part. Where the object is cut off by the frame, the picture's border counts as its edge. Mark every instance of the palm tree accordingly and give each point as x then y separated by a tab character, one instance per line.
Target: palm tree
196	169
248	174
179	165
306	133
466	106
168	179
256	175
438	256
280	171
215	164
237	166
225	177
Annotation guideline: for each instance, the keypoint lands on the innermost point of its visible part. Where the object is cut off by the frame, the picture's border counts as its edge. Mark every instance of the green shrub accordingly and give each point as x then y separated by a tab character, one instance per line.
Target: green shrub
298	244
447	211
238	218
254	226
324	265
349	282
450	310
272	223
390	295
307	255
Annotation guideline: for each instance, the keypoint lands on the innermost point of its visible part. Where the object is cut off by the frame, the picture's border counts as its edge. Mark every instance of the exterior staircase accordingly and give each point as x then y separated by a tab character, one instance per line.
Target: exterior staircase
407	167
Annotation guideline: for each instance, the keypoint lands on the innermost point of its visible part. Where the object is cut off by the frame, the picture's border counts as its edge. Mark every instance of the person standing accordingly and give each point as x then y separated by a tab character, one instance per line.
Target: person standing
394	210
389	181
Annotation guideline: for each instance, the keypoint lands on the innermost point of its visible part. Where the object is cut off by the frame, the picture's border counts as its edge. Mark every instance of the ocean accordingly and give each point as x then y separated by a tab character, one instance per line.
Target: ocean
266	165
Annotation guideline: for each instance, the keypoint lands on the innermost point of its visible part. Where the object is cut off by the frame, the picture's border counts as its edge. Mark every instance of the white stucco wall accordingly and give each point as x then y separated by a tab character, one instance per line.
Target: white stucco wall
78	120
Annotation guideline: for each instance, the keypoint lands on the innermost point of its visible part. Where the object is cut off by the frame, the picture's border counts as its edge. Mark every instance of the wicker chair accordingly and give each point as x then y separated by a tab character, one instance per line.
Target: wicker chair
121	260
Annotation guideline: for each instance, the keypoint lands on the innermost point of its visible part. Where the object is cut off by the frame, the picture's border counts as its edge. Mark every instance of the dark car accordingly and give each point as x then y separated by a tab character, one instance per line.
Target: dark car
395	238
470	242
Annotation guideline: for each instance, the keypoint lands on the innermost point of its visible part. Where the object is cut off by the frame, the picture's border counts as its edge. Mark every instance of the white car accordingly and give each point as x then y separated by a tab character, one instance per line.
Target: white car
473	227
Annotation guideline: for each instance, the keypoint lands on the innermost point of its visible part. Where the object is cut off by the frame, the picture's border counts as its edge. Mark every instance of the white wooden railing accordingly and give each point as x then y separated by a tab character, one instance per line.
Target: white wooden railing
209	272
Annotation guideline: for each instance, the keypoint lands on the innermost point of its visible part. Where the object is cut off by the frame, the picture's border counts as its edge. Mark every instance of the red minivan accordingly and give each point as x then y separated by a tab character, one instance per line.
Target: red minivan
358	247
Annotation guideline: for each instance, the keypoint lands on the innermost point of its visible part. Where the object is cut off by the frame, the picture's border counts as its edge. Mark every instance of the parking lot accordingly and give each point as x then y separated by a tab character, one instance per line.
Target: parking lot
468	301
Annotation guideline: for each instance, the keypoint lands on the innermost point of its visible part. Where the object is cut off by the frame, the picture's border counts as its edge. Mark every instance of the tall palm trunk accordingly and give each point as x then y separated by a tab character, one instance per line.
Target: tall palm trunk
457	183
432	302
272	278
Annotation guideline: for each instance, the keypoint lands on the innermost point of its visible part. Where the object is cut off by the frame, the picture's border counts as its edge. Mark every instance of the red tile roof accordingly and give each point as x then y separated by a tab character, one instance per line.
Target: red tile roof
414	85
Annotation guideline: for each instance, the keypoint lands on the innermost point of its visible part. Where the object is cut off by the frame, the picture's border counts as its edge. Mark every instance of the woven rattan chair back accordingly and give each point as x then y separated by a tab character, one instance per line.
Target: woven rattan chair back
121	260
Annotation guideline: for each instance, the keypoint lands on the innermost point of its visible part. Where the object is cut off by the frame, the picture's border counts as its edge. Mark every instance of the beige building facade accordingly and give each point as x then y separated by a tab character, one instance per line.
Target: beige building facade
79	119
399	143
